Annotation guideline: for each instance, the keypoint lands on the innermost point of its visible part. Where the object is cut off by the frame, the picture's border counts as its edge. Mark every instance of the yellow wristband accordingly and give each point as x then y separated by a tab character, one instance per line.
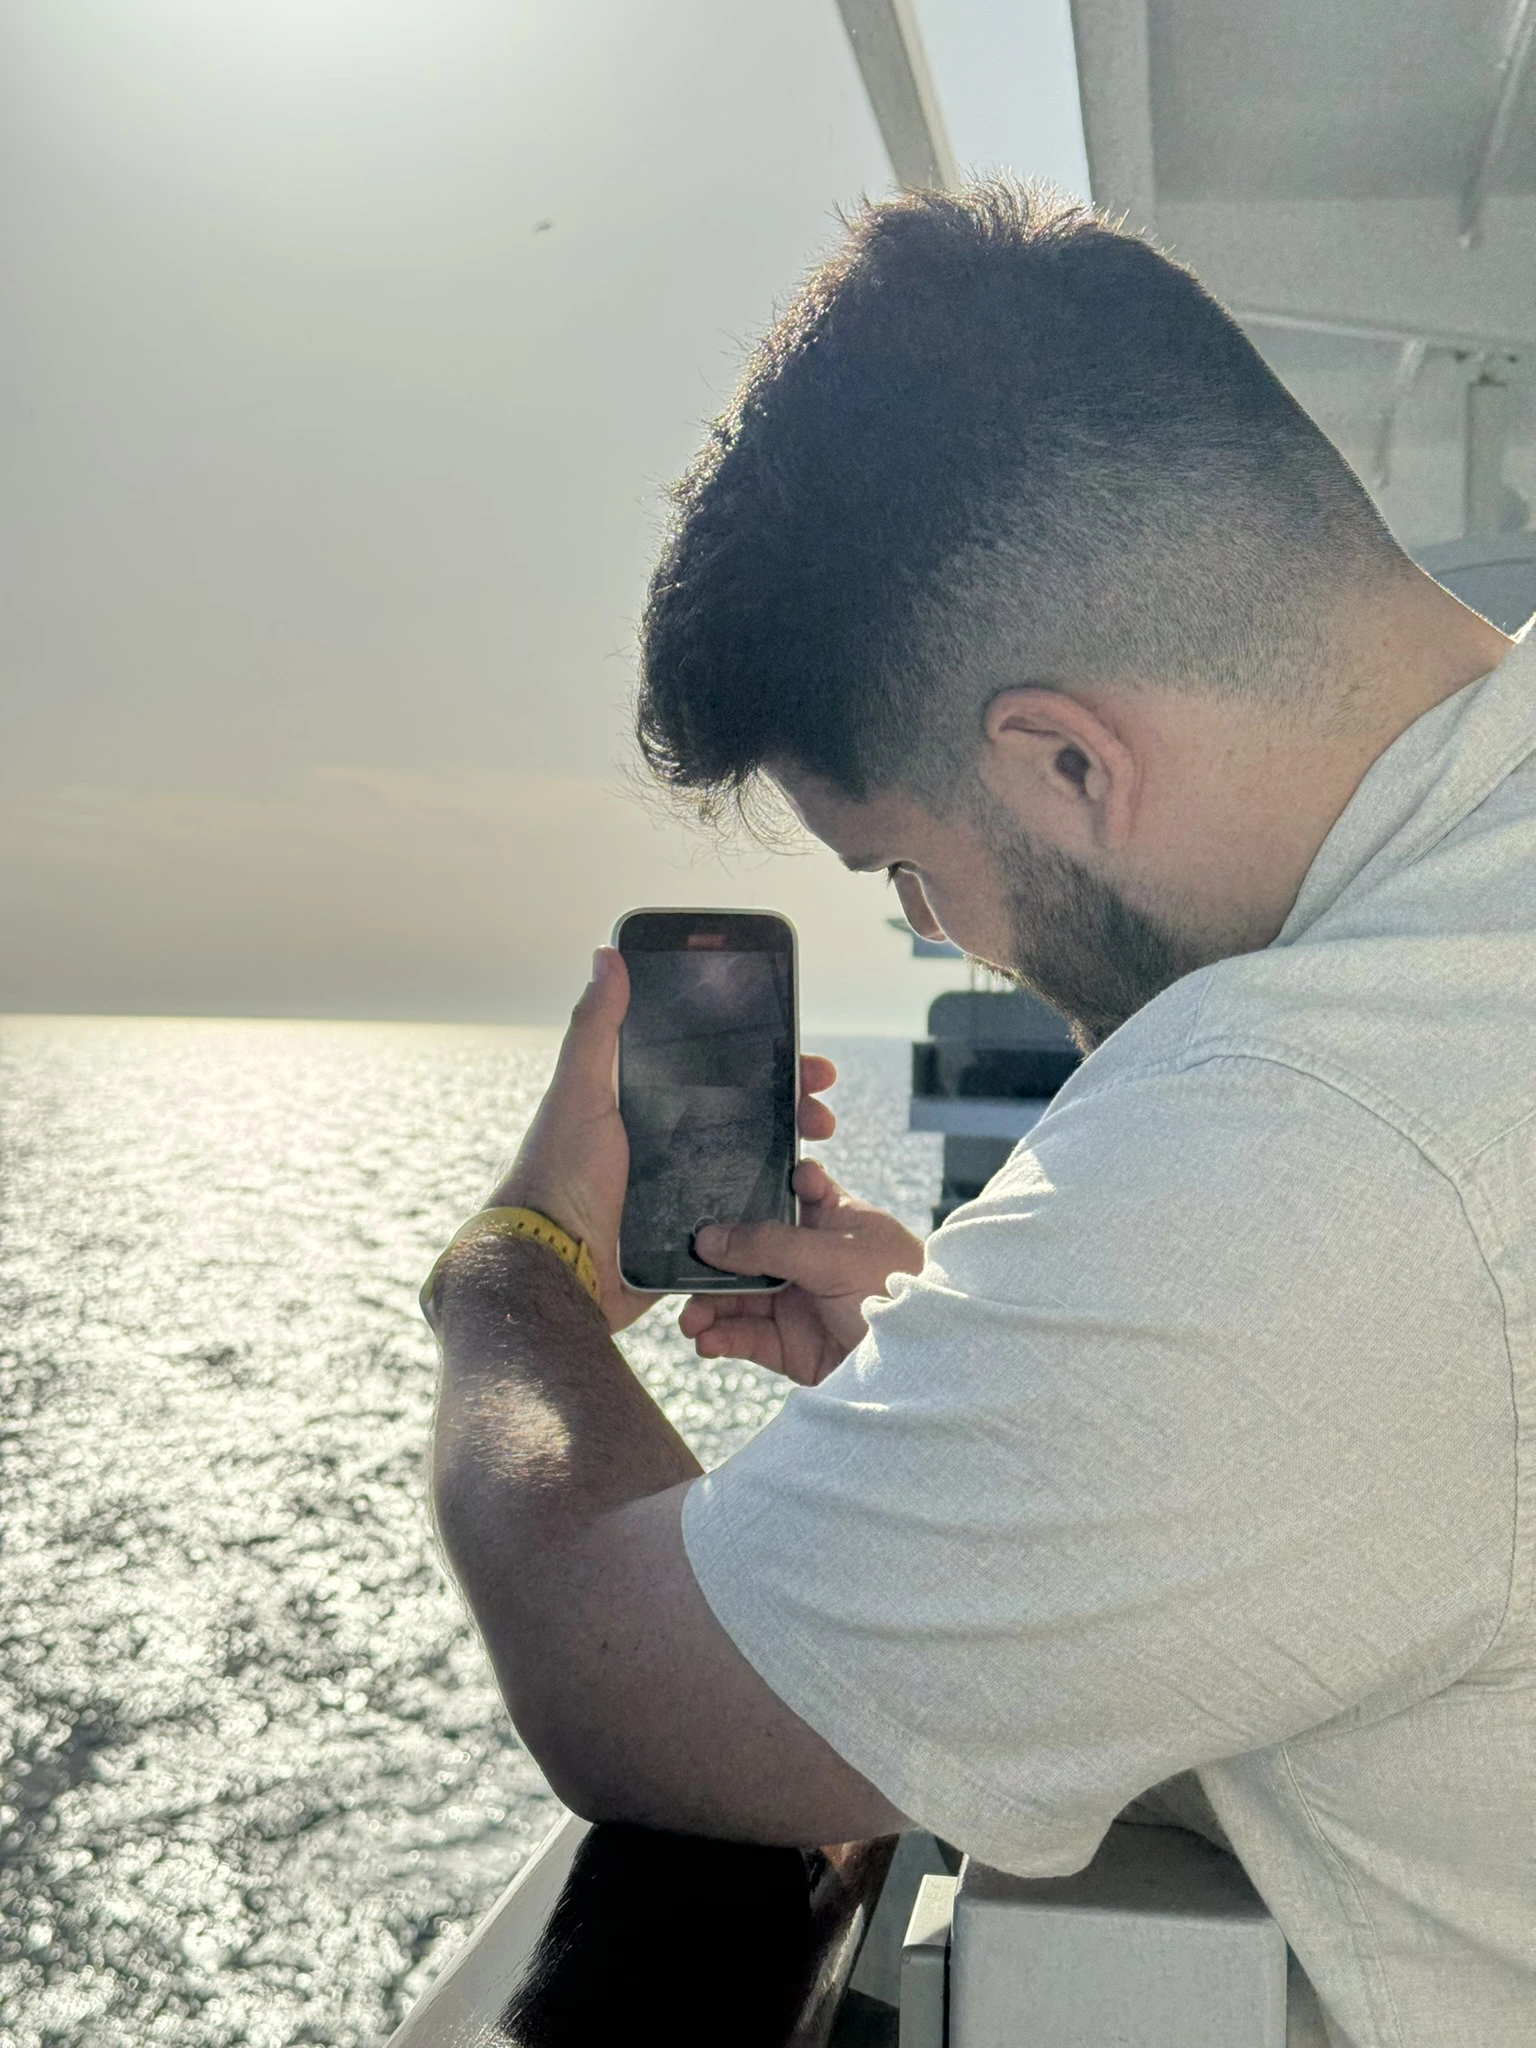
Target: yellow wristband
519	1223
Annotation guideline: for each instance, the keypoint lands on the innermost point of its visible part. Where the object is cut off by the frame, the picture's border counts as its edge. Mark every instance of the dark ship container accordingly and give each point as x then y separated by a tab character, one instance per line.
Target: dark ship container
983	1076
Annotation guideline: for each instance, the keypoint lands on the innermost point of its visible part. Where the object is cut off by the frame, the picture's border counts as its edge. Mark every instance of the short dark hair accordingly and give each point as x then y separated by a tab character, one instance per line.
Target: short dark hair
993	439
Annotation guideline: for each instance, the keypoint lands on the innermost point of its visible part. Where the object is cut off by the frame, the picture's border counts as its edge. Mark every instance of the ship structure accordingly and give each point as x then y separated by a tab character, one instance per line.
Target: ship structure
983	1076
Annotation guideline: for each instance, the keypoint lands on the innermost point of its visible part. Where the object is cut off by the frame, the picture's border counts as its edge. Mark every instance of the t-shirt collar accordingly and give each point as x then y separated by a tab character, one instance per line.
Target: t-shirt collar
1429	779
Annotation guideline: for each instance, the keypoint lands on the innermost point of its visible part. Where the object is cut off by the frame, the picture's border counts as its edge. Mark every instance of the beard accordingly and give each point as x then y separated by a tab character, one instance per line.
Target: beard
1078	944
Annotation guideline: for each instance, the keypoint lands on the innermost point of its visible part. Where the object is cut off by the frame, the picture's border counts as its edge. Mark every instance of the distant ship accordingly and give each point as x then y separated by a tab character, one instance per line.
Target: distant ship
983	1076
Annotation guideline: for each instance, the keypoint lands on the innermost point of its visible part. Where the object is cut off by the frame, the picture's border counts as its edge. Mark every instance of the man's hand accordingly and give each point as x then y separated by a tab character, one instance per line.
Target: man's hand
574	1160
842	1252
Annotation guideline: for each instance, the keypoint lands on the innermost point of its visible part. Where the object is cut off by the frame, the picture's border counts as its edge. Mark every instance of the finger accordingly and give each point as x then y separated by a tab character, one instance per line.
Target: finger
699	1311
814	1118
591	1041
759	1343
816	1074
811	1181
817	1260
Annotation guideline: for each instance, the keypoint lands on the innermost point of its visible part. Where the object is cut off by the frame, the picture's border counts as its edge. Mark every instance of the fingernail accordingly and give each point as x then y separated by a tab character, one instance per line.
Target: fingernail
599	963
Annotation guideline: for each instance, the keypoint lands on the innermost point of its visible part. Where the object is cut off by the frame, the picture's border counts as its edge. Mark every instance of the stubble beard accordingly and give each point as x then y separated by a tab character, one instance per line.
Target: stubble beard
1079	945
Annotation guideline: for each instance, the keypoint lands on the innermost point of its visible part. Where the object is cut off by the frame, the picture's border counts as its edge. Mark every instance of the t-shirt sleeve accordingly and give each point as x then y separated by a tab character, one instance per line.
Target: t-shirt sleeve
1194	1433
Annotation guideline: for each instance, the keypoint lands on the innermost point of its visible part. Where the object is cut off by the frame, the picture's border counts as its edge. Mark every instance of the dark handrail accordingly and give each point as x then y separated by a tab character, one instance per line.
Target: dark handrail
679	1941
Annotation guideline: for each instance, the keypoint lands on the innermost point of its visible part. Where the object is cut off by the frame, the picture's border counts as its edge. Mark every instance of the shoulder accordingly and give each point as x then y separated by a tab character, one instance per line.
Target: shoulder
1426	1029
1211	1173
1235	1068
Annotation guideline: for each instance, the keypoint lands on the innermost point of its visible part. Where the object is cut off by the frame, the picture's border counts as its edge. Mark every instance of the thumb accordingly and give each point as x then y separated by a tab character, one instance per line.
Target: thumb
592	1037
820	1261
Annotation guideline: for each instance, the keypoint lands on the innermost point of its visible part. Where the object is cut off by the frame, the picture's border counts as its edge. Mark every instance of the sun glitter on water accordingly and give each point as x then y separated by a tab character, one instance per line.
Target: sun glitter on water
258	1782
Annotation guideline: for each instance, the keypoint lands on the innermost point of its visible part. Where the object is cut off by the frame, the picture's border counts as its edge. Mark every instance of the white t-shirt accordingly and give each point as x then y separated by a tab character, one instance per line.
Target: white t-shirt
1206	1438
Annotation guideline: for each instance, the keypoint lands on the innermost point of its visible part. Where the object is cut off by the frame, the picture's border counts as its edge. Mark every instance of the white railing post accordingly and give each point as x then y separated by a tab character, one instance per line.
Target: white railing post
925	1965
1161	1942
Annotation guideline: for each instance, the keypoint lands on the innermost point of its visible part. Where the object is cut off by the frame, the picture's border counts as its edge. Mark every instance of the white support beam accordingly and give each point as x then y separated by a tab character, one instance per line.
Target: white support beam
1457	342
889	53
1410	360
1114	85
1487	432
1514	63
976	1116
1391	265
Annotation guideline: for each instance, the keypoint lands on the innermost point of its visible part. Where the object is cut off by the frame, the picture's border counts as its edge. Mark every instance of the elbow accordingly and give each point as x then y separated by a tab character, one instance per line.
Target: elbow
578	1791
576	1764
521	1596
557	1721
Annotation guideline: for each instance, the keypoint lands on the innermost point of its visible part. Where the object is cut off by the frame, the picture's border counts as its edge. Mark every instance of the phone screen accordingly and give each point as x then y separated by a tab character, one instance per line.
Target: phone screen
707	1087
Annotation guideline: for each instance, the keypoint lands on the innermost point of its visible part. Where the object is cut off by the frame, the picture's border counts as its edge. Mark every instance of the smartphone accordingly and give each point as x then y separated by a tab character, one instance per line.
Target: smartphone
709	1083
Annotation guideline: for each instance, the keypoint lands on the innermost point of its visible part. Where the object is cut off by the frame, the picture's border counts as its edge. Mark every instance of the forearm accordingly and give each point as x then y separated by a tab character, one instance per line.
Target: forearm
542	1432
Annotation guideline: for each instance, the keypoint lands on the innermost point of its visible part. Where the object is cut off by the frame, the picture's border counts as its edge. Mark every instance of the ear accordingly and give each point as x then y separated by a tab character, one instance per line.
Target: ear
1060	769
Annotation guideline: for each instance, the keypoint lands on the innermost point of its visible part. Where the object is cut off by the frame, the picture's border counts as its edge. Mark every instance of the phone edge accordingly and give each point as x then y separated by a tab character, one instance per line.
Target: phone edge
728	1283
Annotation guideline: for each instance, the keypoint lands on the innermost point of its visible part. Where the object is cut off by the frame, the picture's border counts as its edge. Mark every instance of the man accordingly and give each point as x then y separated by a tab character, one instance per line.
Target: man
1202	1442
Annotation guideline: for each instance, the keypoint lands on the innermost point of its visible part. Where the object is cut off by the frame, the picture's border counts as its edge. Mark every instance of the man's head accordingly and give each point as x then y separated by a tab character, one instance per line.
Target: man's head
999	480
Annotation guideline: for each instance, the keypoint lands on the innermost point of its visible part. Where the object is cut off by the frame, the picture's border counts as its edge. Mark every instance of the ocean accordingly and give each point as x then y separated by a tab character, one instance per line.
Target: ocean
257	1782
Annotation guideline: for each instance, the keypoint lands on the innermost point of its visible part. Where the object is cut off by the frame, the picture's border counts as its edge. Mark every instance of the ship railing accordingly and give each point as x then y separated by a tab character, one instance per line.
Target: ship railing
614	1934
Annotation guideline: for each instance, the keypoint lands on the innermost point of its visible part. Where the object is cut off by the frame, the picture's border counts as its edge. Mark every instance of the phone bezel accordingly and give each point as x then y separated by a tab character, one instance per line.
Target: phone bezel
727	1283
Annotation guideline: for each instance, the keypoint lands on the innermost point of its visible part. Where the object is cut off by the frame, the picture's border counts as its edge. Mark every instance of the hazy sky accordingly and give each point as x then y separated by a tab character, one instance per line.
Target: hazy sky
347	345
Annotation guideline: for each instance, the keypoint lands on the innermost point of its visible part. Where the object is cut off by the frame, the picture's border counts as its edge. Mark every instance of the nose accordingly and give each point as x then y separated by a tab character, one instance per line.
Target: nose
914	904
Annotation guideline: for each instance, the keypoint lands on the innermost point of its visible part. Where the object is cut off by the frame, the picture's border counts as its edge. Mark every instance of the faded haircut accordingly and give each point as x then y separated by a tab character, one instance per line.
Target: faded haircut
993	440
